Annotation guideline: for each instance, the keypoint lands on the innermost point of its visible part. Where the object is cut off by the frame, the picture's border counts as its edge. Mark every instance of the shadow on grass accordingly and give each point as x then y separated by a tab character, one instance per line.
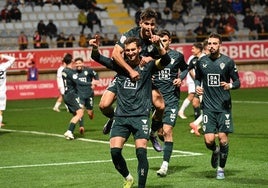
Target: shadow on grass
230	176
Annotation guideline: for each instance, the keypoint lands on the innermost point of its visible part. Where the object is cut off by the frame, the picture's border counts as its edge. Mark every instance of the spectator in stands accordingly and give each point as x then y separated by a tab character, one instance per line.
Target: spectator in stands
115	39
67	2
177	10
177	7
231	19
82	20
174	37
237	6
92	4
107	41
5	15
220	7
41	28
15	13
32	73
44	43
70	41
248	21
206	20
167	11
92	19
51	29
220	29
190	36
213	22
36	40
246	6
223	19
29	3
61	40
82	40
201	32
57	3
211	7
229	32
169	4
187	6
22	41
39	3
262	31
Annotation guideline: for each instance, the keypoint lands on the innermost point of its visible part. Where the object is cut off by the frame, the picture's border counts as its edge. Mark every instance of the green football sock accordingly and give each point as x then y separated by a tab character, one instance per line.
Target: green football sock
168	147
143	166
197	112
212	146
119	161
223	154
71	127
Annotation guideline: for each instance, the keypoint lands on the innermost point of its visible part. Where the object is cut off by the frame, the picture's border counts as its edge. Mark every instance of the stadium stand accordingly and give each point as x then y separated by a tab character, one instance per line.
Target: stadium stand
115	20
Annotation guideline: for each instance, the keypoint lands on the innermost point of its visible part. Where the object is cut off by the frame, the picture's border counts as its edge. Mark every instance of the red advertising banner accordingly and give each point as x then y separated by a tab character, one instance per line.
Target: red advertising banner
48	89
50	59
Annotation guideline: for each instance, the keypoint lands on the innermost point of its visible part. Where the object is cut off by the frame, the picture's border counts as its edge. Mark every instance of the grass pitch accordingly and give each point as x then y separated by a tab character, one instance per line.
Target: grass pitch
35	154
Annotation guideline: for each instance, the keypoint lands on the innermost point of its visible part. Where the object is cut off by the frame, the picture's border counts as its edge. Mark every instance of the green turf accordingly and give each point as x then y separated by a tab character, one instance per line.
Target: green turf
32	158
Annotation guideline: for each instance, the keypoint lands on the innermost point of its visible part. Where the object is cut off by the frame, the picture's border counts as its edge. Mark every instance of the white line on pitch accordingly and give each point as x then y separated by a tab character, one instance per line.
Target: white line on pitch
91	140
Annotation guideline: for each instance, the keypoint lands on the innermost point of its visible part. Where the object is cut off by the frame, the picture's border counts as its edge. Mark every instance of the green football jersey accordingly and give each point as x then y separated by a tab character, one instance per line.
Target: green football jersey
163	79
69	80
85	77
209	74
134	98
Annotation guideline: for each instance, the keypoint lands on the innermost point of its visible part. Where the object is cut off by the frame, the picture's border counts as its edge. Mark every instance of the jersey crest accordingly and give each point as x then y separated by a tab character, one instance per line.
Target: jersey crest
222	65
75	76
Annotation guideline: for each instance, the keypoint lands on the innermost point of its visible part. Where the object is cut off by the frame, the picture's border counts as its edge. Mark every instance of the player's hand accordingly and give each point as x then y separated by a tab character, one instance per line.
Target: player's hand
92	42
199	90
145	60
177	82
134	75
226	86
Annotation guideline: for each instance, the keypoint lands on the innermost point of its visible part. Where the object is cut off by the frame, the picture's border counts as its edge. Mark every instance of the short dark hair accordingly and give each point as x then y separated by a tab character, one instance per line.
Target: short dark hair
133	39
164	32
198	45
78	59
148	13
67	58
215	35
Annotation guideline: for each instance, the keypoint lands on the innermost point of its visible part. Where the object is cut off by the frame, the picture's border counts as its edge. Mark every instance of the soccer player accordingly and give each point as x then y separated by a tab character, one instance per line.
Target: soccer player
195	125
60	85
214	74
167	82
196	53
3	80
71	98
87	78
134	100
145	33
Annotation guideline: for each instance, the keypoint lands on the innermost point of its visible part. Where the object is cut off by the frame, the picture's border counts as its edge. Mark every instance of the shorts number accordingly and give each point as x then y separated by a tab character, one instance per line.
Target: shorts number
205	118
